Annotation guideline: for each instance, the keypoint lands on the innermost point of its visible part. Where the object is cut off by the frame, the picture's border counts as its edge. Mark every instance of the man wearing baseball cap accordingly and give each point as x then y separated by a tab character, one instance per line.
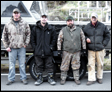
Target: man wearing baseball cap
43	41
71	37
16	37
97	37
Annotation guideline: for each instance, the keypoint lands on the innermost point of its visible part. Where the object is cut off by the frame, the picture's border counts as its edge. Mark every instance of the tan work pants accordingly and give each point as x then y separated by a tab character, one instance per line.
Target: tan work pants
95	56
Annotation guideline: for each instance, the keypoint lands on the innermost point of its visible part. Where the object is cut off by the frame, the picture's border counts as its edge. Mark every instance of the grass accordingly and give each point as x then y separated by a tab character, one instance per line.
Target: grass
63	10
5	67
107	63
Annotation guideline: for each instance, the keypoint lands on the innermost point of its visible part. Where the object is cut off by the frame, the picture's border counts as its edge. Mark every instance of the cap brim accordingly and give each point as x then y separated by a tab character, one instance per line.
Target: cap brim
69	19
93	16
16	11
43	15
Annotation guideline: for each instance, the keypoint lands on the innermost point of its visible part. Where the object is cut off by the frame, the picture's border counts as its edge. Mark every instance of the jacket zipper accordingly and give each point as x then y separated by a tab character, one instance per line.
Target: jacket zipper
94	38
42	42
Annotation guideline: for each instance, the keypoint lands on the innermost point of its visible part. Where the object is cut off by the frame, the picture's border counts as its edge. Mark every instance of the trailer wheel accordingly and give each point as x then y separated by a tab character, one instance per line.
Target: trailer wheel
83	67
82	70
33	71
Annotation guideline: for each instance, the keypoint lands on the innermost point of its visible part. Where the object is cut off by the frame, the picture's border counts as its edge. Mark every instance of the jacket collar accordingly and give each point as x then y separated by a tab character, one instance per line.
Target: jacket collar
97	23
12	20
72	29
38	24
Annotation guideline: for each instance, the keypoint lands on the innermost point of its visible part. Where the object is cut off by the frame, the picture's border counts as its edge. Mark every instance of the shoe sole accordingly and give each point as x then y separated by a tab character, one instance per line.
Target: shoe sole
24	83
62	83
100	82
78	84
52	83
10	83
90	84
38	84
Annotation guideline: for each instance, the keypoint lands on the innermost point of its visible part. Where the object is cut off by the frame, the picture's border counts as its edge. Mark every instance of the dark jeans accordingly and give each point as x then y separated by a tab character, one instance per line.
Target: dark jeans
44	63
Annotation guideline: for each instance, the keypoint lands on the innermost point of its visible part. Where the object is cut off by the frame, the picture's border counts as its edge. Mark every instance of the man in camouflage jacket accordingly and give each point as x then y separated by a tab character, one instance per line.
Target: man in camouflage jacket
15	37
71	36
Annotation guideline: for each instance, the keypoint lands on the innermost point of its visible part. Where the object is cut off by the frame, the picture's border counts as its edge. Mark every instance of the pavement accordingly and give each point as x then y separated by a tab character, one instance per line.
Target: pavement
69	86
45	86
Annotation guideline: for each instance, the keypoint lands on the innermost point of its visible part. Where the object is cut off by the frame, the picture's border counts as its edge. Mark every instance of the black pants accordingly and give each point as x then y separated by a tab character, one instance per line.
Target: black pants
44	63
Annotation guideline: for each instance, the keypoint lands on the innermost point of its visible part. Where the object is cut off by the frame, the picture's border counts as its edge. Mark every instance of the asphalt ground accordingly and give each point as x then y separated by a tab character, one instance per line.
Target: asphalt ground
70	85
45	86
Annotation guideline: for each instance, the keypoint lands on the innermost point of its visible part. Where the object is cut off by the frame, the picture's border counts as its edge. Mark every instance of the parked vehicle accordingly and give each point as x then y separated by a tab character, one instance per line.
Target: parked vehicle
31	14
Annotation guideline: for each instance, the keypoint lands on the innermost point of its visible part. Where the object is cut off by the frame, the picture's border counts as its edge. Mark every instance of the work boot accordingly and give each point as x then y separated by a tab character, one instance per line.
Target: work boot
63	77
89	82
62	82
24	82
99	81
77	82
39	79
9	82
51	79
76	76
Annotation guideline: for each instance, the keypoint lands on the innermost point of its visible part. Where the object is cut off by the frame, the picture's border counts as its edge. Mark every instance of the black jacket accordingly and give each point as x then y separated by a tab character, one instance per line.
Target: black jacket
99	36
43	39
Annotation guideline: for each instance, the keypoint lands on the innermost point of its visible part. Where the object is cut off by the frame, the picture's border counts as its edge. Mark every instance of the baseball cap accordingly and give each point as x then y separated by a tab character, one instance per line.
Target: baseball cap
16	10
43	15
94	14
69	18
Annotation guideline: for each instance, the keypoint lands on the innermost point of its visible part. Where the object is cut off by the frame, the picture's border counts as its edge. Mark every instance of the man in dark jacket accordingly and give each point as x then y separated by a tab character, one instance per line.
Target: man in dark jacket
97	37
43	41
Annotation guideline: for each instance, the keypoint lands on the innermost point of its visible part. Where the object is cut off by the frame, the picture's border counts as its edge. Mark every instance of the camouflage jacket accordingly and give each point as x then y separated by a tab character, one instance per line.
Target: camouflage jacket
60	39
16	36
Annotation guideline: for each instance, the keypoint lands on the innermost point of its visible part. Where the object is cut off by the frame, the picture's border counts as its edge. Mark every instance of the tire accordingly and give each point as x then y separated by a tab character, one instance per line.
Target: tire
83	67
33	71
82	70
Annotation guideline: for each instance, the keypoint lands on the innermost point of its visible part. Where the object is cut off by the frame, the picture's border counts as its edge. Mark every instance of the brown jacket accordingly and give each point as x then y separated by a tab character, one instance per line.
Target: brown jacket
16	36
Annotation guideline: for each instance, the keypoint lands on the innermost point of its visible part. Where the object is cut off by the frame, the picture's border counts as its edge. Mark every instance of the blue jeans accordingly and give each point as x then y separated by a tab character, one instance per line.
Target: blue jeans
21	54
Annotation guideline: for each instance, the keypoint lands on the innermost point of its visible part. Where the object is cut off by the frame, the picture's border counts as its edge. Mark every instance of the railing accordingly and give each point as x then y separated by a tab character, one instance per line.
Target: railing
84	13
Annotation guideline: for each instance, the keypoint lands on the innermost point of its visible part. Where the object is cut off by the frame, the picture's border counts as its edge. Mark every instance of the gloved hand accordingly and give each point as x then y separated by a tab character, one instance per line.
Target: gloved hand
84	53
52	48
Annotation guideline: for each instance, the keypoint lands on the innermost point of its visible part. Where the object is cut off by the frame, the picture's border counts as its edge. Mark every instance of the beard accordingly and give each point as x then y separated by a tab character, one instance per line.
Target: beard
70	25
43	22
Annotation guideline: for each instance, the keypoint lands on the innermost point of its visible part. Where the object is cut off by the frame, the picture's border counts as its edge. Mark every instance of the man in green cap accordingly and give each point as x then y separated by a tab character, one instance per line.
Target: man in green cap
71	37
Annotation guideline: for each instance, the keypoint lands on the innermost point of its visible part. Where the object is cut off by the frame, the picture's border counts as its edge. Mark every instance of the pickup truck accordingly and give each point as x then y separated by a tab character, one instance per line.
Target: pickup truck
30	11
